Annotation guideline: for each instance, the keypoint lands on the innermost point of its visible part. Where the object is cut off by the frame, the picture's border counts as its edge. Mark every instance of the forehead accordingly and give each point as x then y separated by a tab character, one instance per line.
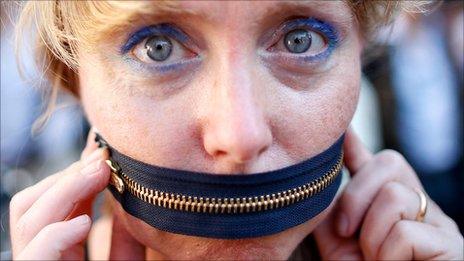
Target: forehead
218	12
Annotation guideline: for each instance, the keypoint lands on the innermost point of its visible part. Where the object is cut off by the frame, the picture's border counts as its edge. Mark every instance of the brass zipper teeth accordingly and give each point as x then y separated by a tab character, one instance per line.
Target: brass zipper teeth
222	205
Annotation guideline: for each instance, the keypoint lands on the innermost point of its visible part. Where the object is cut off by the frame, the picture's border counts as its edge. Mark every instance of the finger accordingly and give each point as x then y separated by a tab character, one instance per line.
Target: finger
82	207
24	199
55	238
123	245
393	203
410	240
60	199
356	154
85	206
333	247
91	145
87	156
360	192
99	240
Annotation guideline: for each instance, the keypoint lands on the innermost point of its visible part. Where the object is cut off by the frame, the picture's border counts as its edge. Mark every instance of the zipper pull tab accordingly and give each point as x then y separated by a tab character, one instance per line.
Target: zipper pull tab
115	178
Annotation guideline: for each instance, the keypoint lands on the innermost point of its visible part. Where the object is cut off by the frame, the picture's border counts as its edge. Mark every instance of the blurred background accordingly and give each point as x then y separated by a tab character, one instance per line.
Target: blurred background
411	101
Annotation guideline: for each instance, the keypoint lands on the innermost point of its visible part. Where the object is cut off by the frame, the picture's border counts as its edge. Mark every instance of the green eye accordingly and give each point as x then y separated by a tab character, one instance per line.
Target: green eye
298	41
158	48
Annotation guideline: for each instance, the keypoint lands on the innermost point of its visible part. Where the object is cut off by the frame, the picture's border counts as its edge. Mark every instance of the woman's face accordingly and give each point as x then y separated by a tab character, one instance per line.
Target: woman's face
225	87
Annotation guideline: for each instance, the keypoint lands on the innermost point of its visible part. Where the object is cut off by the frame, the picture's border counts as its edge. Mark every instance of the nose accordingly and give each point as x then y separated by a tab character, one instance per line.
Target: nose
235	129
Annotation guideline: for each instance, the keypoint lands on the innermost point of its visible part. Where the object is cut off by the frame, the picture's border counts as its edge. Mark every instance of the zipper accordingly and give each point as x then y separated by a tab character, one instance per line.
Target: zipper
221	205
115	178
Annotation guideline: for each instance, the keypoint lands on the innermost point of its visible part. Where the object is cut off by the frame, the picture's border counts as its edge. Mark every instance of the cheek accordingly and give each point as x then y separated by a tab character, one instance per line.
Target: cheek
304	124
319	114
130	118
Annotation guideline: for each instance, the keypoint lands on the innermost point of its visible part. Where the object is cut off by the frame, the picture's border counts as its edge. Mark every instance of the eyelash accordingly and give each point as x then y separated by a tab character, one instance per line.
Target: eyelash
329	33
139	37
160	29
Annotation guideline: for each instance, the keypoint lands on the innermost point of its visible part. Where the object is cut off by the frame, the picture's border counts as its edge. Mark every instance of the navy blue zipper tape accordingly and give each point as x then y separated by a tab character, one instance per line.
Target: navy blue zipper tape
227	206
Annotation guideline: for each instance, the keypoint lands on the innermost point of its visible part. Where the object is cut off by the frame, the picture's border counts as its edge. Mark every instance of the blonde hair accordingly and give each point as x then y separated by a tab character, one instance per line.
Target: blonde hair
64	26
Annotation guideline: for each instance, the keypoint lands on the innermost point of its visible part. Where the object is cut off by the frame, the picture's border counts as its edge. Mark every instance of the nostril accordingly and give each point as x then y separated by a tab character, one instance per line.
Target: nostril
241	153
262	150
220	153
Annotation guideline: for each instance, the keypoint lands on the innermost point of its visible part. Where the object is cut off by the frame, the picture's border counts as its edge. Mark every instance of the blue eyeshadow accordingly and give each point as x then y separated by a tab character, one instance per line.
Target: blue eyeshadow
326	29
159	29
315	24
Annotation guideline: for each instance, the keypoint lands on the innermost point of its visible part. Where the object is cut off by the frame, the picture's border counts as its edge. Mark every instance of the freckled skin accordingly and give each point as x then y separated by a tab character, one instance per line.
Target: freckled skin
235	114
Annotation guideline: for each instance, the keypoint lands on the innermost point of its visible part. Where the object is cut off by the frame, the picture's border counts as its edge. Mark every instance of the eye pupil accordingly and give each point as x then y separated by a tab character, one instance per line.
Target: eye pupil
298	41
158	48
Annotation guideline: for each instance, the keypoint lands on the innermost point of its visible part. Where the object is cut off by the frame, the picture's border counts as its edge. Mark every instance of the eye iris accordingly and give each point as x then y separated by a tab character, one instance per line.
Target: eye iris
158	48
298	41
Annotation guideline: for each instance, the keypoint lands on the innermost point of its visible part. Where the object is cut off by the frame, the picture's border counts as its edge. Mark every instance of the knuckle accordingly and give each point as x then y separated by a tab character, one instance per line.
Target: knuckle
390	158
365	241
73	174
21	229
349	197
48	230
68	179
401	232
451	223
73	168
392	192
48	233
16	201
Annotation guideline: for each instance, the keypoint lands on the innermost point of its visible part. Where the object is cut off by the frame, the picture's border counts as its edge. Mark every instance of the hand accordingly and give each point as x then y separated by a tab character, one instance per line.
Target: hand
375	216
51	220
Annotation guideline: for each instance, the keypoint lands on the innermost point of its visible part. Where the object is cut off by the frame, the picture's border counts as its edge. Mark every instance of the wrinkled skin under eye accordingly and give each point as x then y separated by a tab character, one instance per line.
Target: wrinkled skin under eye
167	114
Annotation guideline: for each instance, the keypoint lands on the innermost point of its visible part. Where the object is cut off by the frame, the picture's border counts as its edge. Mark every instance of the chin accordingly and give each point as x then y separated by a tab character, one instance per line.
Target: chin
166	245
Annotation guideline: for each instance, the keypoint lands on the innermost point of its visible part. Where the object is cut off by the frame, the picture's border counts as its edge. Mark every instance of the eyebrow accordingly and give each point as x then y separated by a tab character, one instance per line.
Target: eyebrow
285	5
166	8
324	9
153	10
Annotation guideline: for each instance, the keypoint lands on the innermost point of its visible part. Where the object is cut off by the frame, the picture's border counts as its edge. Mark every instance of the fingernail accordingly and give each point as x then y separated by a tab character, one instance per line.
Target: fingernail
90	137
342	224
93	156
92	168
81	220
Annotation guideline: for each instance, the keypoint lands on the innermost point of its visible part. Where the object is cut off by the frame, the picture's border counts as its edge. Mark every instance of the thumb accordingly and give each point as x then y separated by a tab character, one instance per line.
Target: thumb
333	247
123	245
356	154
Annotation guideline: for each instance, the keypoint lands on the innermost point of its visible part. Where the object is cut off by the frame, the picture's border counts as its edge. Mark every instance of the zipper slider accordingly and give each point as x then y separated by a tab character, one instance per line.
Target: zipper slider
115	178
